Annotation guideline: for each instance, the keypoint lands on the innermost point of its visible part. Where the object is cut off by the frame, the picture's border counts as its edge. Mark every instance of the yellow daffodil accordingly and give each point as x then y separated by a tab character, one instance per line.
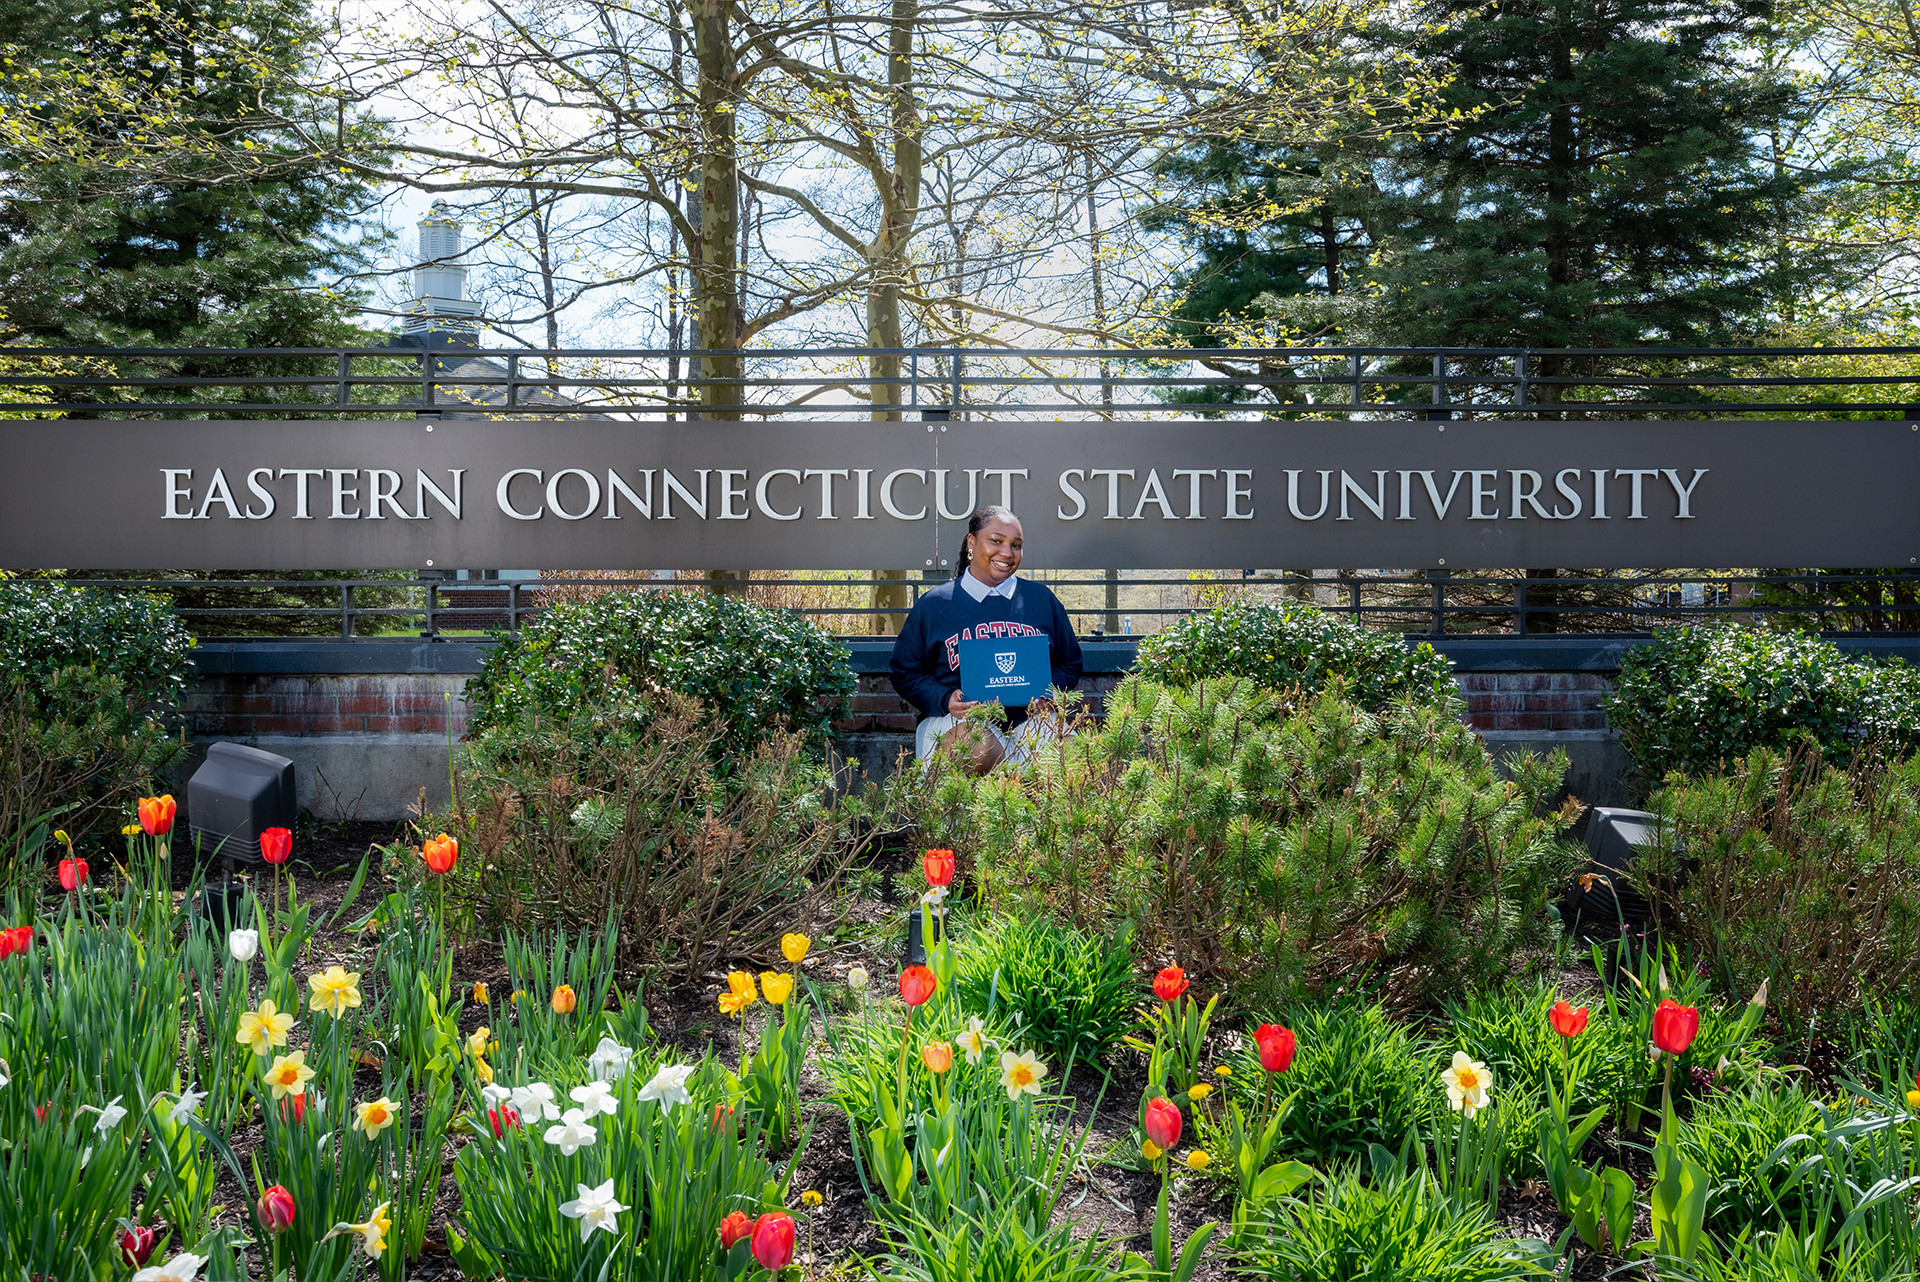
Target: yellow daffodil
477	1045
1150	1150
263	1029
973	1041
777	985
374	1116
811	1197
1198	1159
335	990
1021	1073
1467	1081
794	947
289	1075
372	1233
484	1071
480	993
740	993
1199	1092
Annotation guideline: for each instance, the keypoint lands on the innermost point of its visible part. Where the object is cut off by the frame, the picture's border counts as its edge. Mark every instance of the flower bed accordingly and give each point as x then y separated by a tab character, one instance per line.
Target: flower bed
332	1092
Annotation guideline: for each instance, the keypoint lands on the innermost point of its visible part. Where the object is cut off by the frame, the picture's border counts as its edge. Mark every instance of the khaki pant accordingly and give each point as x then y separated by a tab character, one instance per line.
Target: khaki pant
1015	745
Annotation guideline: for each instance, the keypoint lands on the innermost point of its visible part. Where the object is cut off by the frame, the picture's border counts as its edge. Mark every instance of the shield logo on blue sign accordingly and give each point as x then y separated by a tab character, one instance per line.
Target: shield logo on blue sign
1004	660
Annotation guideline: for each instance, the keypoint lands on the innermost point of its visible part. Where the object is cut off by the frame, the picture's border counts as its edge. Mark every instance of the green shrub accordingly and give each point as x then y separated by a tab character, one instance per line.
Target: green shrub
1400	1230
760	671
1796	872
1361	1077
1280	853
88	680
1071	993
1291	644
1733	1134
1699	697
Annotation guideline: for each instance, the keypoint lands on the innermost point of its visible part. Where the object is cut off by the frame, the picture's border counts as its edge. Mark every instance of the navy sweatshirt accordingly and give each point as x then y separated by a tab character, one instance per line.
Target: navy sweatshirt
926	656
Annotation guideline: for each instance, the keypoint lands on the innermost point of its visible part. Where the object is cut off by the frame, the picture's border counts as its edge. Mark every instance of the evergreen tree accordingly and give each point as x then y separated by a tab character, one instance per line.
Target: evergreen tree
213	253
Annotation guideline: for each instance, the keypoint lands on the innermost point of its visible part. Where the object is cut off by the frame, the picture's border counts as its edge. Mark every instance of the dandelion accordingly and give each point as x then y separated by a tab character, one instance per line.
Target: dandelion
289	1075
595	1208
794	947
812	1197
1198	1160
264	1028
373	1117
1021	1074
335	991
1467	1081
1150	1150
1199	1091
1224	1070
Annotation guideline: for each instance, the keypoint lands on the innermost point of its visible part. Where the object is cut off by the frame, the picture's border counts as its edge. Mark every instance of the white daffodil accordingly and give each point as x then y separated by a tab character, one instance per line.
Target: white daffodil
669	1086
594	1208
935	896
187	1105
973	1042
110	1116
243	944
609	1060
181	1268
5	1074
493	1095
572	1134
594	1099
535	1102
1021	1074
1467	1081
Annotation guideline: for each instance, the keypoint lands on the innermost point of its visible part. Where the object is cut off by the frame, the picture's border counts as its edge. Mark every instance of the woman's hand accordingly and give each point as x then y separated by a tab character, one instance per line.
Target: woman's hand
958	707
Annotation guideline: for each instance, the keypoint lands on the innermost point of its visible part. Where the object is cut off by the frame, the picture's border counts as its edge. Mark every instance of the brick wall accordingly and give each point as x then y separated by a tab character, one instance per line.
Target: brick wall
219	706
1534	700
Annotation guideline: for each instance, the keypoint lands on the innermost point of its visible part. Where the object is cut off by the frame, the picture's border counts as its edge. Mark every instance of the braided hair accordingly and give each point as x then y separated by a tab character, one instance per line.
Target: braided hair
976	523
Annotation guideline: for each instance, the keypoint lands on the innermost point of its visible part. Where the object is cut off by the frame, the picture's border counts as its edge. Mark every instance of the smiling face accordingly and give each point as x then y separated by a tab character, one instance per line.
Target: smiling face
993	553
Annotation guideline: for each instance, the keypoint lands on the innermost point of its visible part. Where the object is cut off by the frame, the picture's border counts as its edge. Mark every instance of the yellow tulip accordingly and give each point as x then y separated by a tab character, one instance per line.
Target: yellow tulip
777	986
480	993
794	947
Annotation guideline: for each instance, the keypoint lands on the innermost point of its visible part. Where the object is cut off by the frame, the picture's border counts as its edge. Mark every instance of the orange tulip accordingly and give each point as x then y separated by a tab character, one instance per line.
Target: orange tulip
1567	1021
937	1056
156	815
563	1000
440	854
737	1227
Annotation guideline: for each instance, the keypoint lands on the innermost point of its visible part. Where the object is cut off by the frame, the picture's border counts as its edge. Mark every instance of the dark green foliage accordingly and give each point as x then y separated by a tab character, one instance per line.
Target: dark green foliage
87	680
1360	1074
1291	644
1698	698
1278	849
1791	871
1400	1229
760	671
1070	993
1733	1133
227	247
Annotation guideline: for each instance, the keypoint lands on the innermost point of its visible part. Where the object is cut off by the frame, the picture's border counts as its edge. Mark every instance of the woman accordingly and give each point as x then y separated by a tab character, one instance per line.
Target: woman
988	591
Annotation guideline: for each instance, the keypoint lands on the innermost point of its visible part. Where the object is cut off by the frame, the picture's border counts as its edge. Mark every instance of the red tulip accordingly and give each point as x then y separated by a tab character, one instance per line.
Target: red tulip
156	815
735	1228
722	1117
16	940
916	985
939	867
1675	1026
294	1108
73	873
773	1240
440	854
1168	985
136	1244
1567	1021
276	845
1277	1046
1163	1123
502	1119
276	1209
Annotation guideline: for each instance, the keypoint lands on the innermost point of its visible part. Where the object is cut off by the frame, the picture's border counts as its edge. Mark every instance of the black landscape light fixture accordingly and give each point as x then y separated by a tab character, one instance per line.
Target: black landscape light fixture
238	793
1603	900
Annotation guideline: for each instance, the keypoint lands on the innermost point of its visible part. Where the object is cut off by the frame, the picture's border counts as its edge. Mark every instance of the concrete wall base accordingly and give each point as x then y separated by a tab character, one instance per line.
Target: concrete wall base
1599	772
351	776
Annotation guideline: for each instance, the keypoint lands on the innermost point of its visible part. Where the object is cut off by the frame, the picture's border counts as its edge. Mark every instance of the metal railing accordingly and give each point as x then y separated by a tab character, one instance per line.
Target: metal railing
1431	604
1169	383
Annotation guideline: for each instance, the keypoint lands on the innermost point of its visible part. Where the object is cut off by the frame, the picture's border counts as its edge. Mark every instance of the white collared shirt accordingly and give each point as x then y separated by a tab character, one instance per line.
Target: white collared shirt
980	591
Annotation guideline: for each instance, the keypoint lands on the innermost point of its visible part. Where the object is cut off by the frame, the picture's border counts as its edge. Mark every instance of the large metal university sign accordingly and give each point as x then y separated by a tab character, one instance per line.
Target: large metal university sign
606	494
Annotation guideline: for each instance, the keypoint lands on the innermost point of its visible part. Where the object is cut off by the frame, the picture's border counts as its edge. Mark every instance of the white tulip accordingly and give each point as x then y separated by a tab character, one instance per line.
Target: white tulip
857	978
243	944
